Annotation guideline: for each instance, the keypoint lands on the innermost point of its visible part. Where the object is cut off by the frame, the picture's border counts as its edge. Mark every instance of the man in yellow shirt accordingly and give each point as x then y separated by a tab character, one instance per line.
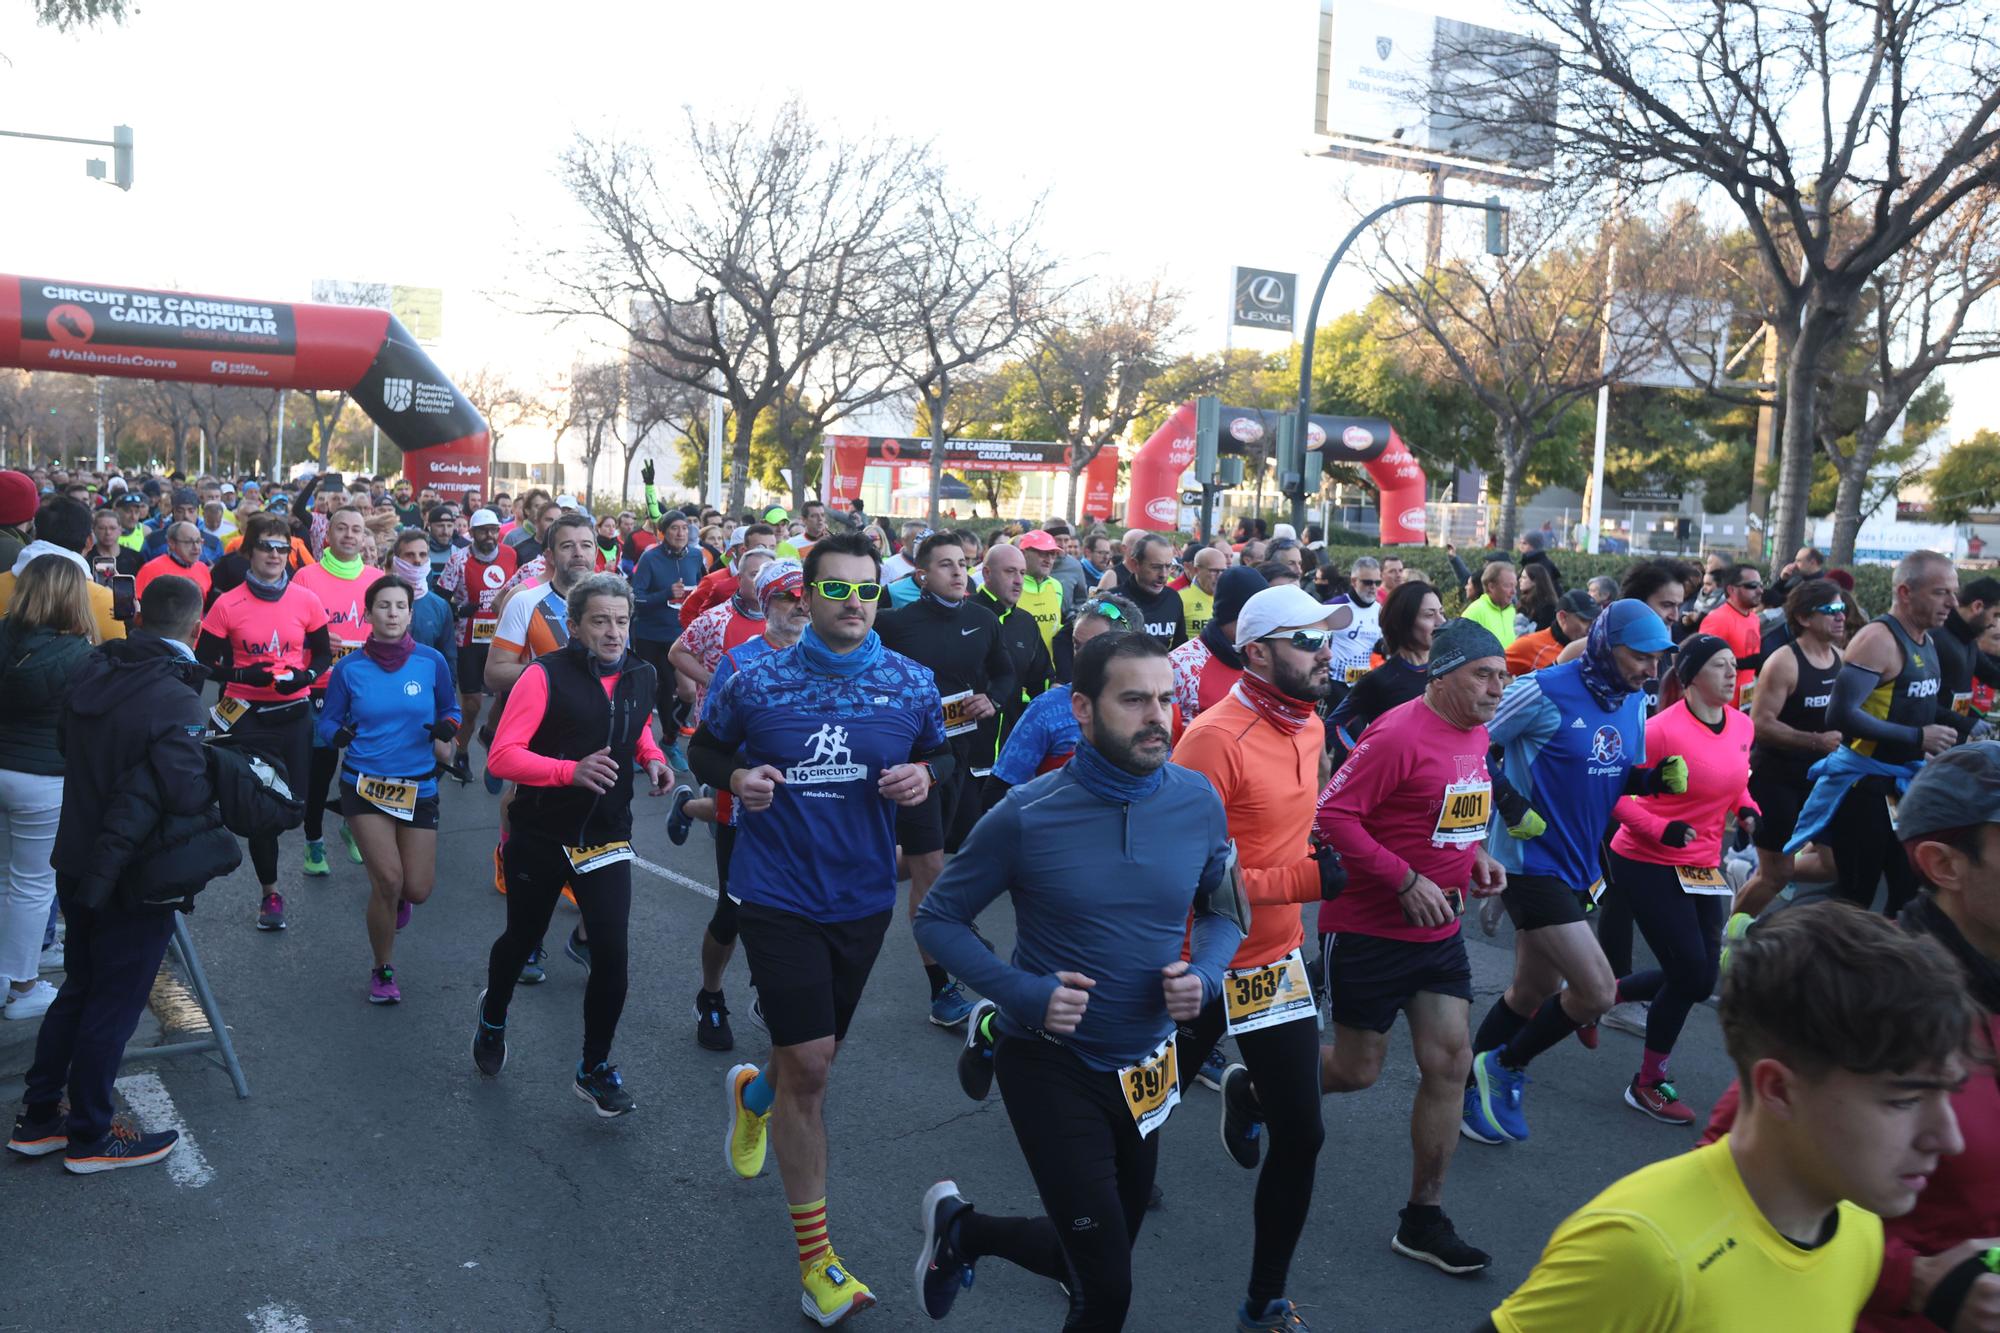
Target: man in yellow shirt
1494	607
1042	596
1849	1037
1198	598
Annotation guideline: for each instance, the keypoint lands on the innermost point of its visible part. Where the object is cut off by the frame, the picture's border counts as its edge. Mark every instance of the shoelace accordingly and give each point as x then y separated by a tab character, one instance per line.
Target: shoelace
124	1133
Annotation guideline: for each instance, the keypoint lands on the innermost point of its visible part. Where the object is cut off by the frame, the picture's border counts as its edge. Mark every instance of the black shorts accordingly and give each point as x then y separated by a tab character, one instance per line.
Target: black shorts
472	668
921	828
1535	901
1370	978
425	816
1780	794
808	974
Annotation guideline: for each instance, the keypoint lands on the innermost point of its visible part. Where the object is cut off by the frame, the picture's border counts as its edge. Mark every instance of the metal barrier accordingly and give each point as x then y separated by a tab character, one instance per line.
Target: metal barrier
217	1041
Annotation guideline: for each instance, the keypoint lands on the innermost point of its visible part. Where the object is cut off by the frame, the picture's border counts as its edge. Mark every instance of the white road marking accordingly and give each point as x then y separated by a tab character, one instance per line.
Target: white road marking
276	1318
674	875
148	1098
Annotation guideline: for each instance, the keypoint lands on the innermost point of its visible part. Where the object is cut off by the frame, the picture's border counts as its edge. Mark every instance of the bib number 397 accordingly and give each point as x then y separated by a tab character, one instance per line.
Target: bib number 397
1262	997
1152	1087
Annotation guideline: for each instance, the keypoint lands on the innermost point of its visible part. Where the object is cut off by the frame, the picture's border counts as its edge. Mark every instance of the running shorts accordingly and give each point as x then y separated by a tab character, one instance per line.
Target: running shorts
921	828
1371	978
425	816
1535	901
472	668
808	974
1780	795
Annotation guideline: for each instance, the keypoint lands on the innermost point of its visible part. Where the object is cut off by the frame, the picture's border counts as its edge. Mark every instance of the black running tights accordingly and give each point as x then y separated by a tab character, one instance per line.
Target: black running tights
537	869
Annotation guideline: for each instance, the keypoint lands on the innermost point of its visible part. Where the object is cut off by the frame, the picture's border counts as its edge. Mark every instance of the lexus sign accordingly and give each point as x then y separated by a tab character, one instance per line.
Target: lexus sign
1265	299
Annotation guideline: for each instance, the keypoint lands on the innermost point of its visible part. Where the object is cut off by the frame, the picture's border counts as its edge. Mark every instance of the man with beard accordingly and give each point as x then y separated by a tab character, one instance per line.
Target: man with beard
472	580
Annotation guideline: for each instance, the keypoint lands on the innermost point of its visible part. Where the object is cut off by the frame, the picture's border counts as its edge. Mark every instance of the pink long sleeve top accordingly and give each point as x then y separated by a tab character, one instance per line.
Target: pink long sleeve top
1718	782
509	756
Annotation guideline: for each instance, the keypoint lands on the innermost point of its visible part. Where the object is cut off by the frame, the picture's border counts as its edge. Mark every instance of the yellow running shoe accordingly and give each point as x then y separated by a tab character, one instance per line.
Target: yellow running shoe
745	1144
832	1293
1737	927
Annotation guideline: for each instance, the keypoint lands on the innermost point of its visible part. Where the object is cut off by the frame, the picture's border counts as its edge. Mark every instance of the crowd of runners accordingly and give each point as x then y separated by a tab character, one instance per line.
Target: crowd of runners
1162	755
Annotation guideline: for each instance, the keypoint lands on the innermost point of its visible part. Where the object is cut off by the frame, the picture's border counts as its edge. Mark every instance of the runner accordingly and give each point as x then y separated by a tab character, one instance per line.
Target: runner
576	725
1358	628
1021	637
1575	610
737	619
1849	1036
1143	579
1083	1034
1208	666
1260	750
1197	591
432	621
781	589
392	710
1572	736
1046	735
822	770
472	579
182	557
340	580
266	640
1407	813
721	585
959	642
1494	606
1738	623
1410	621
1667	859
1960	660
1788	710
661	581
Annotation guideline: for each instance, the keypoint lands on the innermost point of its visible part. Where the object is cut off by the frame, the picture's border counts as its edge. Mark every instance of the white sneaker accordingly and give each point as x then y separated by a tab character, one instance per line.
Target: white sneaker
1490	912
30	1003
52	957
1626	1016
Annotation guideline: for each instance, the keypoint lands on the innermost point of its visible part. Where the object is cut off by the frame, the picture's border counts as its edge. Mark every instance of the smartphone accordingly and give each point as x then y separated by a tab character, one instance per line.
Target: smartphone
124	599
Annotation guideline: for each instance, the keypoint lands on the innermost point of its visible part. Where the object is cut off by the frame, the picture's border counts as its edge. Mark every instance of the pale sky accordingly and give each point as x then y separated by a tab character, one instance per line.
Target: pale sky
413	142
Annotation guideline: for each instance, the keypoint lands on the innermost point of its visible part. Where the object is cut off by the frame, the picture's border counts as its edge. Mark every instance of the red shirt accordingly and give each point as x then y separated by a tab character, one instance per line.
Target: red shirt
713	590
196	573
1407	798
1744	633
475	585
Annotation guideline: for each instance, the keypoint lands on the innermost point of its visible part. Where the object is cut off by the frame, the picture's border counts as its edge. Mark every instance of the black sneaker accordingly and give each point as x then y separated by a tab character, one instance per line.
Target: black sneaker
124	1146
39	1136
941	1271
1436	1242
489	1044
604	1090
975	1059
1242	1127
711	1022
461	768
679	821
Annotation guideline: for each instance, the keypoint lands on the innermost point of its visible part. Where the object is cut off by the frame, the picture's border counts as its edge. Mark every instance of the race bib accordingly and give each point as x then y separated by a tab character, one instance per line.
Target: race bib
1749	692
956	720
1262	997
342	648
392	796
583	860
1464	813
482	629
1355	672
1152	1087
228	712
1962	704
1702	879
1596	890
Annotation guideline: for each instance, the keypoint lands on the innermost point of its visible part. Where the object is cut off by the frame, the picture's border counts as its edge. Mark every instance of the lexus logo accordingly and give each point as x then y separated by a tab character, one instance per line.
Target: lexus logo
1267	292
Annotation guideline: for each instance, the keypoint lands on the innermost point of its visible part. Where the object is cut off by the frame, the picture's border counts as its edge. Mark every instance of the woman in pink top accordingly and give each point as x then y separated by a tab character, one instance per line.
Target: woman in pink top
1667	855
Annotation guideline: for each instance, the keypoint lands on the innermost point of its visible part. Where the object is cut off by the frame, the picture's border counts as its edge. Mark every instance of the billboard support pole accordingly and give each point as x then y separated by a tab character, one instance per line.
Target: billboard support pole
1436	201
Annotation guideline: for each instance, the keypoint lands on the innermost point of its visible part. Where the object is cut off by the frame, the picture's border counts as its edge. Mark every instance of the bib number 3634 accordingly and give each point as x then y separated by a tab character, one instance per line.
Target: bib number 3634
1152	1087
1262	997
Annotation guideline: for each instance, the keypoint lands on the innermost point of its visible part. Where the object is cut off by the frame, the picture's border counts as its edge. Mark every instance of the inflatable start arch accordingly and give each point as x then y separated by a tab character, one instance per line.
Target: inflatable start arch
1368	441
142	333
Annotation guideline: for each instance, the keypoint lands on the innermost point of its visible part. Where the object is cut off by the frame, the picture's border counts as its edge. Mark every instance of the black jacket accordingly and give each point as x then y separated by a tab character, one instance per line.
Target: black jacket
1959	661
1021	639
960	645
580	720
138	799
35	672
1165	619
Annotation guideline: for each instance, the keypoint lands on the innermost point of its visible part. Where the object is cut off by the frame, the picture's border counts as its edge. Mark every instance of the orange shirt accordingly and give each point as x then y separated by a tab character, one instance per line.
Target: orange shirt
1532	652
1269	784
196	573
1743	631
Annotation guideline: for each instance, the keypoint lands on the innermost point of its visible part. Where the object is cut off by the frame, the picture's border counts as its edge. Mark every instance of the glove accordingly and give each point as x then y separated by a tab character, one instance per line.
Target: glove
300	681
444	729
646	472
252	675
1530	825
343	738
1674	774
1679	833
1332	874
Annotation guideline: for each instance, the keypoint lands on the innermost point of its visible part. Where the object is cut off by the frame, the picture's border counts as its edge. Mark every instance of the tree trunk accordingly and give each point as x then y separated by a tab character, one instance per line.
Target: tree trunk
935	398
1513	467
739	457
1846	510
1076	485
1798	443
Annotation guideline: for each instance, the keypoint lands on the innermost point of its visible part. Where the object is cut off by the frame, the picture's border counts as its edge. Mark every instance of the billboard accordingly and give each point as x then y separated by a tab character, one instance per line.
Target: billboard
1265	299
847	455
418	309
1429	85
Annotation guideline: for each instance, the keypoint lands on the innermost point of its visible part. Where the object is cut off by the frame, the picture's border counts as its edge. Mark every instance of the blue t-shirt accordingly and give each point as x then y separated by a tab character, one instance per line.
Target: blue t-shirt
1047	730
1569	757
826	847
390	714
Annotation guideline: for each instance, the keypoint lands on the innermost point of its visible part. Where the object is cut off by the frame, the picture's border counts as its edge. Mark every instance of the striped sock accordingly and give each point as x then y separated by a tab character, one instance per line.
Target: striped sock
809	1229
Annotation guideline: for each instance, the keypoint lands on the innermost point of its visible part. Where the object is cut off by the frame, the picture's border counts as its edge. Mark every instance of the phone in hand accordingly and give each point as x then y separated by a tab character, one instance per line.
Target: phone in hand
124	597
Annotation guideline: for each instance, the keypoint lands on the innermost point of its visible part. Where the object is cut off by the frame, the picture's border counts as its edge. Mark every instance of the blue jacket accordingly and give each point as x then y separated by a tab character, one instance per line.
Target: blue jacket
654	617
1833	777
434	626
1047	730
390	714
1098	888
156	544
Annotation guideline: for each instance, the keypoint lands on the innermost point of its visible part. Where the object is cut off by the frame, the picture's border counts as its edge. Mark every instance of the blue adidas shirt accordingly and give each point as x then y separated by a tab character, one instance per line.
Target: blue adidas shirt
826	847
390	713
1569	757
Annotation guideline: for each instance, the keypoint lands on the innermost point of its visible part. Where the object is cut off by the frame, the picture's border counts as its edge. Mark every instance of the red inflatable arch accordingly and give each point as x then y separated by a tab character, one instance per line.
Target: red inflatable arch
142	333
1369	441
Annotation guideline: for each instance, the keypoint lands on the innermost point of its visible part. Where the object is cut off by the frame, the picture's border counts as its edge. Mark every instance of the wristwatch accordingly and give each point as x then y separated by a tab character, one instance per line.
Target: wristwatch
930	774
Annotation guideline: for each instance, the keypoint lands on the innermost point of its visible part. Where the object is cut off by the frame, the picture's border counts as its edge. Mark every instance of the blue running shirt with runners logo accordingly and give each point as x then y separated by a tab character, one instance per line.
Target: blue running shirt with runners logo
826	847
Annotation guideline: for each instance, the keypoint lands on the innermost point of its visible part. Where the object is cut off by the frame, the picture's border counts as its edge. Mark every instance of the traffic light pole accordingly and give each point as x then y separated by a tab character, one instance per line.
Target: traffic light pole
120	144
1496	237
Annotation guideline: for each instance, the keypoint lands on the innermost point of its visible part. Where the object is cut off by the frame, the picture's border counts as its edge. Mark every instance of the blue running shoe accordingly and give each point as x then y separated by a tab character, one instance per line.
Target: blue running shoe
1213	1068
1475	1125
532	972
494	786
1499	1091
604	1090
676	760
951	1007
679	821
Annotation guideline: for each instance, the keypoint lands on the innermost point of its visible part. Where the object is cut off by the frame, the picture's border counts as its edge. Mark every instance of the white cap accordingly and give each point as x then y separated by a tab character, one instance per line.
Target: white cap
1283	531
484	518
565	502
1276	610
228	488
739	536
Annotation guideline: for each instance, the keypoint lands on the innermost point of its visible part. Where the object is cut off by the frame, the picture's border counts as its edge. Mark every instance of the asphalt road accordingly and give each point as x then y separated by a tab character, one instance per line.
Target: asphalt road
374	1181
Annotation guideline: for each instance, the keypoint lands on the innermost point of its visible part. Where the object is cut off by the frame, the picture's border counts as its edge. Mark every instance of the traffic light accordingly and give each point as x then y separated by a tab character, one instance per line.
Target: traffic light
1207	439
1498	216
1311	463
1290	464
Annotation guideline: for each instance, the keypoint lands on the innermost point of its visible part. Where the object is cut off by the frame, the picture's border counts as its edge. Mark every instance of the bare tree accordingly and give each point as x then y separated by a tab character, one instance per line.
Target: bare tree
500	401
652	402
172	405
1882	112
595	403
961	291
741	264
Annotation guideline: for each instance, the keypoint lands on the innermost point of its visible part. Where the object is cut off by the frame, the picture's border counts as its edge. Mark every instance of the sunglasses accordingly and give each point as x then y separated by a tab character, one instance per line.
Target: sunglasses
1752	587
1834	609
839	590
1103	609
1305	640
1367	583
282	548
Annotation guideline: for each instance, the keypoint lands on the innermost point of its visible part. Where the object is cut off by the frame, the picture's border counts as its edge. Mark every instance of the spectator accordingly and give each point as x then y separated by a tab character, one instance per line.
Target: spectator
1494	607
19	498
62	527
43	640
1603	590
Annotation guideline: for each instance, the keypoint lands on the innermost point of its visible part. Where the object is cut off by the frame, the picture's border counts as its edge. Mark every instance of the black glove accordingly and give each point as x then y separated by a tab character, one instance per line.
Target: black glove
646	472
300	682
1332	874
343	738
251	675
1679	833
444	729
